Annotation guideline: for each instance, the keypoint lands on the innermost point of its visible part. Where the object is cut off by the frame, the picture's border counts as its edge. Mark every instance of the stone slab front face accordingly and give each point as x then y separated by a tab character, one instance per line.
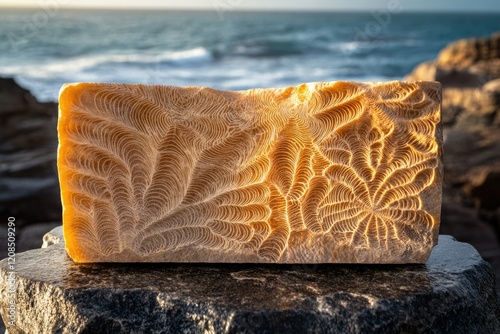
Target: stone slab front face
337	172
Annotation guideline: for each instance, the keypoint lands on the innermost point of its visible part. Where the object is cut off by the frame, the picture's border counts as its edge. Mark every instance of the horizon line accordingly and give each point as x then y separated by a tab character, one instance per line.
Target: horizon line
240	10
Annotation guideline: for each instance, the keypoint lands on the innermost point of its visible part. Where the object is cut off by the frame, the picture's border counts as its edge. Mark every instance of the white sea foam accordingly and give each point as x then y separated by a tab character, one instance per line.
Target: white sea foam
197	55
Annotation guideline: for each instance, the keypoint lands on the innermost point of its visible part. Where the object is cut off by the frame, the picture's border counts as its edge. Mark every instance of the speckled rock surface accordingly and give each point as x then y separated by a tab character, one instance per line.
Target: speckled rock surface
453	293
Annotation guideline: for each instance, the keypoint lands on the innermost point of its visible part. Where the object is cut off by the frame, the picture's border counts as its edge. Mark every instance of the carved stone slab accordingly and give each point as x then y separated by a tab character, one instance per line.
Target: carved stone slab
317	173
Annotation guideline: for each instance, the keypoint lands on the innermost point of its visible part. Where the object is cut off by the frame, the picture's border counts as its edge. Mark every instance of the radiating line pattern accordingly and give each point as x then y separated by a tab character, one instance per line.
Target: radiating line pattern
322	172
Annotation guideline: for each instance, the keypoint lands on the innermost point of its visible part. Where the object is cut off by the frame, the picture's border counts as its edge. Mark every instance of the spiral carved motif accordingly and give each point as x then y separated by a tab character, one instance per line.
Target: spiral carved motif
317	173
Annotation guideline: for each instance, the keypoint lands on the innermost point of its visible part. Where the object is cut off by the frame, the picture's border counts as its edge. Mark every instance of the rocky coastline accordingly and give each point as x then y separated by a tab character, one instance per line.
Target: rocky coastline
469	71
29	188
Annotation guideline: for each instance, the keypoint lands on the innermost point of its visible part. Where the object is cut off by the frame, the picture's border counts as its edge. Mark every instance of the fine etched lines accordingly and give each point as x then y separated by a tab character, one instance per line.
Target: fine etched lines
194	174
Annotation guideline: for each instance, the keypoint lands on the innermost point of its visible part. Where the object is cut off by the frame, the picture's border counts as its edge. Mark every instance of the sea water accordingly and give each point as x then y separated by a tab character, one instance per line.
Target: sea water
46	47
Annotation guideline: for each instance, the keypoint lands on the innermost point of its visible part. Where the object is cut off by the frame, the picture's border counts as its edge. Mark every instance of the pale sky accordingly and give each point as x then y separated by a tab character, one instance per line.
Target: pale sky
406	5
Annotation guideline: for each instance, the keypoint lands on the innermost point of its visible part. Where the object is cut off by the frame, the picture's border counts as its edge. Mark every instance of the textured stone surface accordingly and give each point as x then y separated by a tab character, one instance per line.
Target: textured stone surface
339	172
452	293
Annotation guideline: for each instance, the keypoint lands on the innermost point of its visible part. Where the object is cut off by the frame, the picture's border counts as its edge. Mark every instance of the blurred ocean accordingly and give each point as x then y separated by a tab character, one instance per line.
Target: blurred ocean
229	50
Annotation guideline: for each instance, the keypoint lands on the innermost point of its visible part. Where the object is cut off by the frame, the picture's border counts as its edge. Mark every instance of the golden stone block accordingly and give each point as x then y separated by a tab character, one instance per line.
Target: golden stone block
337	172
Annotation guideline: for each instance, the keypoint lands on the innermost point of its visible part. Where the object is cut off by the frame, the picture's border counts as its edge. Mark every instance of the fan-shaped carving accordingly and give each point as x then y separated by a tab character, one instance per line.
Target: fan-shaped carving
324	172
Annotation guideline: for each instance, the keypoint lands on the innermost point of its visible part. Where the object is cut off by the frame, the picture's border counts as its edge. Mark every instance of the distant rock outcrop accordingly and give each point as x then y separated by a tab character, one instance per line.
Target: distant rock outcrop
469	71
464	63
29	189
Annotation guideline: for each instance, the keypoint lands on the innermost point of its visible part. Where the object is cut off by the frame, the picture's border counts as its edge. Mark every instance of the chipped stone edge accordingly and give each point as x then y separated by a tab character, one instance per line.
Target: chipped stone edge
53	237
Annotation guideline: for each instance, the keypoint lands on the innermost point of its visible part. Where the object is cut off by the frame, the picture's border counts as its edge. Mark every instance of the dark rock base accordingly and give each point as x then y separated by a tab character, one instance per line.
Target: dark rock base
453	293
